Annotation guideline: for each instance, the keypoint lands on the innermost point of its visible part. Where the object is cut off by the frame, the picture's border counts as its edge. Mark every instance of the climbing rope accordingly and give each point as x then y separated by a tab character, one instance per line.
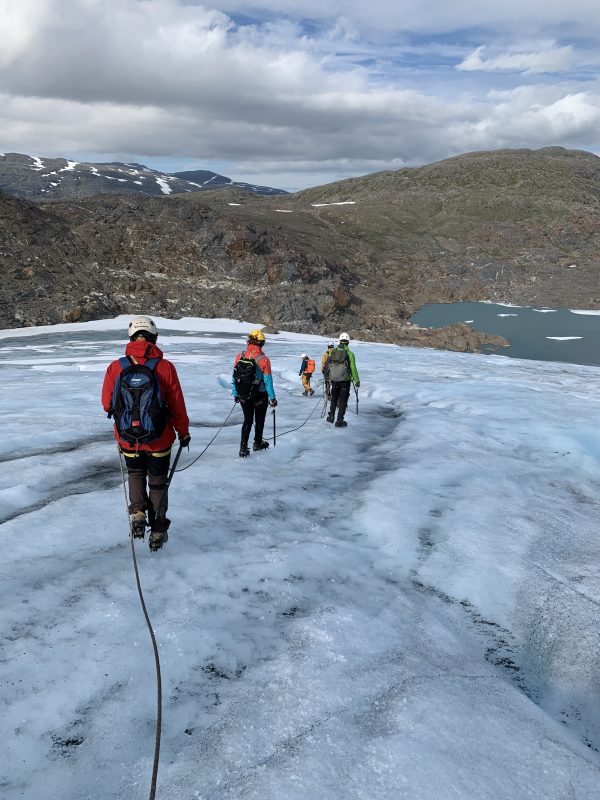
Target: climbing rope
303	424
154	646
137	574
322	399
292	430
187	466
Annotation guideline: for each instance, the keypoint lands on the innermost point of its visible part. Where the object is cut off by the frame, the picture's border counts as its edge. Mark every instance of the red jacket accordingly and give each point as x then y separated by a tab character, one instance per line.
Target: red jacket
169	386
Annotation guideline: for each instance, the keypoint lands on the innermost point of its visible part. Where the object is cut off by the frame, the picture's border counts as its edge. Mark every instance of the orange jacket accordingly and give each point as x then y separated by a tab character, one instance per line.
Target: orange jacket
169	386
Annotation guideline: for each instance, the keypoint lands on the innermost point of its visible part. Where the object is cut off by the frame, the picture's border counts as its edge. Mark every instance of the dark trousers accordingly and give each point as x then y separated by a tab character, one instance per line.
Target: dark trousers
144	468
255	412
340	392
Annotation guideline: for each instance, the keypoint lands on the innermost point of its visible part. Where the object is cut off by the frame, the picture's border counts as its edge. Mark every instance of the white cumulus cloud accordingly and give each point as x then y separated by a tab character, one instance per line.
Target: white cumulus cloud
557	59
272	86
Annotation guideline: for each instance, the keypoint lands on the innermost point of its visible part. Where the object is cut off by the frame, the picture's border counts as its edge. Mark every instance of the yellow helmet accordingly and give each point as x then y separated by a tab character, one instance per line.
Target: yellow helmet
257	335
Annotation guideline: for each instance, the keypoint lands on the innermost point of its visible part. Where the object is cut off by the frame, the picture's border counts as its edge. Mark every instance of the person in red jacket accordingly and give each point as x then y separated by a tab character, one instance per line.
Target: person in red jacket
149	462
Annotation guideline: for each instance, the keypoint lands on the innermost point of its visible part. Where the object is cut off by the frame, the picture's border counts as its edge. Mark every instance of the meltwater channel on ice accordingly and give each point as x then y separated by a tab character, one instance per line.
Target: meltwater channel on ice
405	608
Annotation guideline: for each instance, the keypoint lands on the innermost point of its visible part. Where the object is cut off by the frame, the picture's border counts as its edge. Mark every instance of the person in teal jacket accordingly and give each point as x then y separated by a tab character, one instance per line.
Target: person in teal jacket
258	392
342	372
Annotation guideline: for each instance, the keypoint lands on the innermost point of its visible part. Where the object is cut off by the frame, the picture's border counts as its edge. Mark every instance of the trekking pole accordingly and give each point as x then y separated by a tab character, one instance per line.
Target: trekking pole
168	482
172	472
274	431
356	393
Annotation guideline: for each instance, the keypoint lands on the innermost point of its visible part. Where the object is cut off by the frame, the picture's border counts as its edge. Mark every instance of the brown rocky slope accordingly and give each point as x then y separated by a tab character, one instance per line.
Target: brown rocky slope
360	254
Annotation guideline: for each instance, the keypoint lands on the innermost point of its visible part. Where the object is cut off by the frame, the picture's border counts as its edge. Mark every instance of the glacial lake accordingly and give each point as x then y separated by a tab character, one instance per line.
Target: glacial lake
541	334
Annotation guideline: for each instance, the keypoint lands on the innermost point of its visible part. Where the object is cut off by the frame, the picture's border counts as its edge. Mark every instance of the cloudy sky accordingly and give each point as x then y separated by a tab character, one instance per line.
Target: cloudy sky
295	93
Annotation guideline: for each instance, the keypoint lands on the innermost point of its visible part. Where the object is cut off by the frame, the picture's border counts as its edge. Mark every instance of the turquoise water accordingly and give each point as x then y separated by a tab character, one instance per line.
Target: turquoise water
529	330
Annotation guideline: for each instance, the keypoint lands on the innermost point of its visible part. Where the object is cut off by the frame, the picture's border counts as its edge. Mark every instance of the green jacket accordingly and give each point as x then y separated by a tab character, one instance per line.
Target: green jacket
352	375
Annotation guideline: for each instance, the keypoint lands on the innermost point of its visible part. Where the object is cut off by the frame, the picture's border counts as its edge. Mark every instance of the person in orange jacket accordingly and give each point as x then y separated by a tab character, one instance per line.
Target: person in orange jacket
307	368
147	457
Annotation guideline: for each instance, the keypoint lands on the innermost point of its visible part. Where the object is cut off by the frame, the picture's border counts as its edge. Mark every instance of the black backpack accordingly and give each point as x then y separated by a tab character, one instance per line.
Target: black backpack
245	378
339	365
138	408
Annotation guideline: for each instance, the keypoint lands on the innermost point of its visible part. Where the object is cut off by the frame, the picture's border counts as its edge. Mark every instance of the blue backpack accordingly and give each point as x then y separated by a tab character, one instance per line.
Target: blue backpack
138	408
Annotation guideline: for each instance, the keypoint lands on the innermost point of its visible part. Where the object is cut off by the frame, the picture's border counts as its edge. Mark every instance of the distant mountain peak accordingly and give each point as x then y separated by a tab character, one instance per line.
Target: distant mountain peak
33	177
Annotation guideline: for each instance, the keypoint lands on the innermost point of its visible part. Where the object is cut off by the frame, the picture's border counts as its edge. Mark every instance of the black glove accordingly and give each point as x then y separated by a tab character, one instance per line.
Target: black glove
109	413
184	441
273	403
357	384
237	399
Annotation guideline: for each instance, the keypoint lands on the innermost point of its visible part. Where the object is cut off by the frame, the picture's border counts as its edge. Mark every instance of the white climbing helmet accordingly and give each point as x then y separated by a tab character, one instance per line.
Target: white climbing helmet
304	355
344	337
141	324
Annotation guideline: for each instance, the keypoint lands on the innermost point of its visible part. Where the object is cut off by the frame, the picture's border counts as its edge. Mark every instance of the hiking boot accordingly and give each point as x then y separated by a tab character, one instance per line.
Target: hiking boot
260	445
329	417
341	423
312	391
157	539
304	394
244	450
137	522
159	534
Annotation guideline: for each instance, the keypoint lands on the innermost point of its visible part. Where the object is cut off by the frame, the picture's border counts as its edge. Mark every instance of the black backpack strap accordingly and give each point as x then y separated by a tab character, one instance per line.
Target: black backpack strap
256	359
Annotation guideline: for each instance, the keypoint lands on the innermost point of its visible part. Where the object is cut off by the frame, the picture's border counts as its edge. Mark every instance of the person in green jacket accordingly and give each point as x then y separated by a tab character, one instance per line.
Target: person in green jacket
342	372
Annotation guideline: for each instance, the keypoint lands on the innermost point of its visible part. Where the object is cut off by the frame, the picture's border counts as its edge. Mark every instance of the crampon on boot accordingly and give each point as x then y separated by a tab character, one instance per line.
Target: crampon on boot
137	522
262	445
329	417
159	535
341	423
244	450
157	539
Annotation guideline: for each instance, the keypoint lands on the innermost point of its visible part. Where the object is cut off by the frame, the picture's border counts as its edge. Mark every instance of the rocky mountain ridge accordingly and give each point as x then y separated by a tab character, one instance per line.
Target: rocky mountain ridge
44	179
518	226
